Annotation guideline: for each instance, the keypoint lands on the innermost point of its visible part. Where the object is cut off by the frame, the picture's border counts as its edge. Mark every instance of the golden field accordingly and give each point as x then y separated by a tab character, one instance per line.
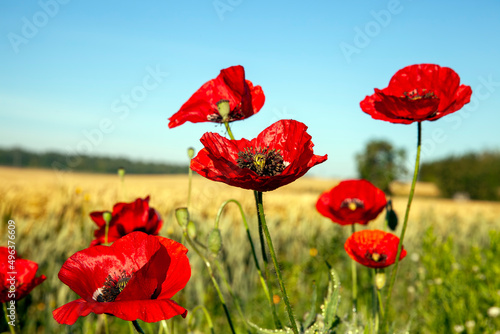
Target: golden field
51	210
31	195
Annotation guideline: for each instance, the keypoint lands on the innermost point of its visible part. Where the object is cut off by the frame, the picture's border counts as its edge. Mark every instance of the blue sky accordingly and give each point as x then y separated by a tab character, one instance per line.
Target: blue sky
68	67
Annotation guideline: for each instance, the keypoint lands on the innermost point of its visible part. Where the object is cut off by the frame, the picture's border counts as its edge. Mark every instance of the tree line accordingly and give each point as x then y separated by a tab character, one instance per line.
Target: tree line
476	175
471	175
18	157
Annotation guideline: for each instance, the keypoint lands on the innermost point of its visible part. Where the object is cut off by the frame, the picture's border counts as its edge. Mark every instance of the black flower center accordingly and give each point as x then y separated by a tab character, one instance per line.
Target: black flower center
352	204
112	287
264	162
375	256
225	114
417	94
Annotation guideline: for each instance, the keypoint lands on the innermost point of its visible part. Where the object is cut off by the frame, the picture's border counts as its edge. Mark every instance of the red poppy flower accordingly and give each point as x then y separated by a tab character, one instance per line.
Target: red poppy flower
417	93
132	279
279	155
127	218
17	276
352	201
373	248
241	98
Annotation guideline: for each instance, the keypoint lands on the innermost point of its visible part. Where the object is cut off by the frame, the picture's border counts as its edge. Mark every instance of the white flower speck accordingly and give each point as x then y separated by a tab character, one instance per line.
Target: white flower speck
493	311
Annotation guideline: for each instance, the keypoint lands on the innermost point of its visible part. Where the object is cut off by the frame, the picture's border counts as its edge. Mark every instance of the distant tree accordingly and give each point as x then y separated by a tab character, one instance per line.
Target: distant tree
476	175
21	158
381	163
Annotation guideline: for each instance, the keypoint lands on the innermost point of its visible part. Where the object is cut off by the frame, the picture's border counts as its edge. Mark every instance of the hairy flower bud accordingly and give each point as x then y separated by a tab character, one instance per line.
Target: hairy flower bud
380	280
182	216
191	230
214	241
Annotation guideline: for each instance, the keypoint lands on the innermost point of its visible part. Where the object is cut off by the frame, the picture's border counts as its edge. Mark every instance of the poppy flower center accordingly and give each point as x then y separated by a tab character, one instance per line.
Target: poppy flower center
264	162
375	256
352	203
418	94
112	287
225	114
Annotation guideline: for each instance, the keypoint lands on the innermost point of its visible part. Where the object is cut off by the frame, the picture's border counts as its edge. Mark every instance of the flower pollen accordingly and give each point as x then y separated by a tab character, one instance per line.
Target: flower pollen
376	256
352	204
112	288
264	162
416	95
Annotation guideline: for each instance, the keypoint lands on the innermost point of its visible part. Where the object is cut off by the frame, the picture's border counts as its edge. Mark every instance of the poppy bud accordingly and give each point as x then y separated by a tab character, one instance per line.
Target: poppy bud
390	216
215	241
224	109
191	230
190	153
182	216
380	280
106	216
121	172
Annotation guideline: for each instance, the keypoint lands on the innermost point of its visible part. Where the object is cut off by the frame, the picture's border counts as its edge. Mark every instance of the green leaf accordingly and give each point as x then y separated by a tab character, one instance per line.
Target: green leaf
311	316
331	300
270	331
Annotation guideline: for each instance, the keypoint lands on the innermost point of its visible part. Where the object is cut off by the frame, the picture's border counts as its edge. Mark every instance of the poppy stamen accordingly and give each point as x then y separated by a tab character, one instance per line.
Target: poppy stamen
225	114
264	162
352	204
112	287
376	256
416	95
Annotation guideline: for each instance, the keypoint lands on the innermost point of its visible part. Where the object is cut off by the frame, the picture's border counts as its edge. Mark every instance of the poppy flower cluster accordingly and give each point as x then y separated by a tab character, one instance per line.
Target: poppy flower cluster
17	276
126	218
418	93
134	278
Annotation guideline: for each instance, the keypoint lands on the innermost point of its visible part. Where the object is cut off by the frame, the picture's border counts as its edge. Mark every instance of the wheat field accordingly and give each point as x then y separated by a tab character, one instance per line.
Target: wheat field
51	211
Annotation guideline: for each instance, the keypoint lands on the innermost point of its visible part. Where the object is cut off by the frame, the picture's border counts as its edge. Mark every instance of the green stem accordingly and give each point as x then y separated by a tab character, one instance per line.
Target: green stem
230	290
261	234
212	277
106	230
254	254
190	178
131	328
6	313
380	303
106	328
354	286
137	327
405	223
260	211
277	322
207	317
229	132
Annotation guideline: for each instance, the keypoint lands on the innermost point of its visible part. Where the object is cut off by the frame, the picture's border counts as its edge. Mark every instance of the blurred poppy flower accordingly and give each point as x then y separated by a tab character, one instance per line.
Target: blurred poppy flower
127	218
279	155
17	276
132	279
352	201
227	98
373	248
418	93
